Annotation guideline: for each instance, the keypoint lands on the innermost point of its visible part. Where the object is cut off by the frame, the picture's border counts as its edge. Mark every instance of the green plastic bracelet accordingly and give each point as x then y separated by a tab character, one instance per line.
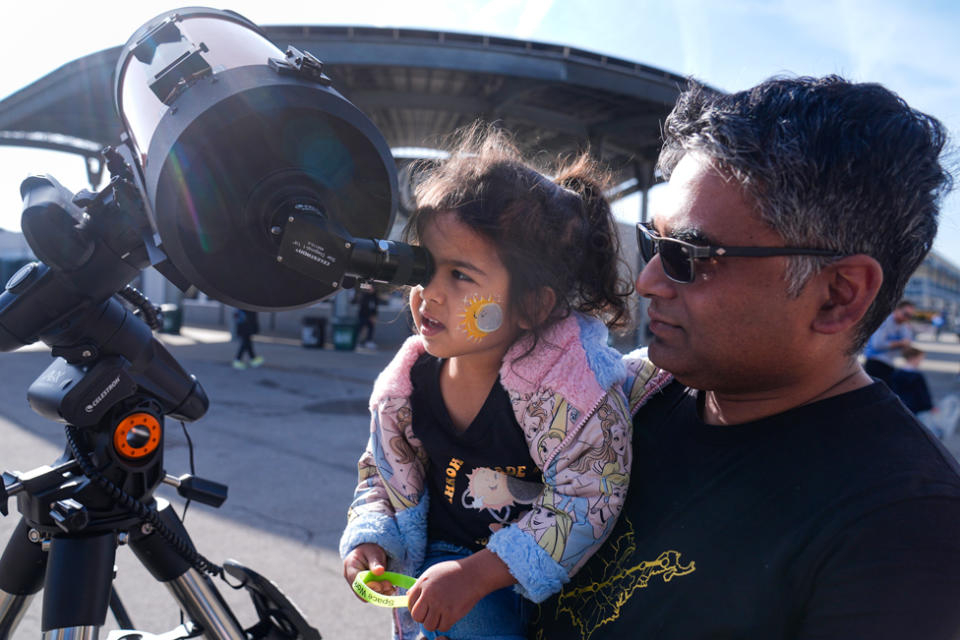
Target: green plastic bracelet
371	596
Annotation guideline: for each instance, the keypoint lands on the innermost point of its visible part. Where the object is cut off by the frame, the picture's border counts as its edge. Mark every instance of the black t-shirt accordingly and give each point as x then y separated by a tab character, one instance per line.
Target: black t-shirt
839	519
478	480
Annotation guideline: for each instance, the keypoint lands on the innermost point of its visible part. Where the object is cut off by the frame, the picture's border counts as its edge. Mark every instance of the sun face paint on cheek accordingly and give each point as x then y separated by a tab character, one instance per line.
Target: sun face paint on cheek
481	316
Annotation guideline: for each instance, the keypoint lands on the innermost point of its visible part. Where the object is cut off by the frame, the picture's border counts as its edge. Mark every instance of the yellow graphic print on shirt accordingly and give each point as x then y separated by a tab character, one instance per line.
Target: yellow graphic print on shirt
594	605
500	492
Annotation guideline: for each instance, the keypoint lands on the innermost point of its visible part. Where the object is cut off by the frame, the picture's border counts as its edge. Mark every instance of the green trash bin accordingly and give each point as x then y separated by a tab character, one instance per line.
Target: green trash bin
344	334
172	318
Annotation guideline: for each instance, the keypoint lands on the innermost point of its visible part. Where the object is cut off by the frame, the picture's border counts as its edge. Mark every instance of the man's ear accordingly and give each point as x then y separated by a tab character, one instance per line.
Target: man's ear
849	287
538	305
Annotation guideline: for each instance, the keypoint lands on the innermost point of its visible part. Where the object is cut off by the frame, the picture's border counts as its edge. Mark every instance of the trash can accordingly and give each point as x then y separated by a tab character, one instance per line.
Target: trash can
344	334
172	318
313	333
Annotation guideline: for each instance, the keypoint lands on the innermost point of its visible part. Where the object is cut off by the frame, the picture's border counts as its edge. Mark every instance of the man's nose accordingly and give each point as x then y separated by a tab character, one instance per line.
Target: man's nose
653	282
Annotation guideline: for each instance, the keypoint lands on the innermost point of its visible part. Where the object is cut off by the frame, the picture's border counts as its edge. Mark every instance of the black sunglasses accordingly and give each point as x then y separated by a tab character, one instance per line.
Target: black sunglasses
677	256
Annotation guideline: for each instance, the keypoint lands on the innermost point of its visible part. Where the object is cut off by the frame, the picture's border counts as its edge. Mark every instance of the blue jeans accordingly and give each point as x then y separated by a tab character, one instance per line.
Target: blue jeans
501	615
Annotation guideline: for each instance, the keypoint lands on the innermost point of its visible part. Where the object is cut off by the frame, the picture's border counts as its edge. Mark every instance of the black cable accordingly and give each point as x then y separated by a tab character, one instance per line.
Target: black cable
119	611
137	508
186	505
150	314
193	468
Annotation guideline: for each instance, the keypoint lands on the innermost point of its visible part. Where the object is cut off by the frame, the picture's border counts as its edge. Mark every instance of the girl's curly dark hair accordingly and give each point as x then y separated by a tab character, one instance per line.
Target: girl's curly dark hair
550	234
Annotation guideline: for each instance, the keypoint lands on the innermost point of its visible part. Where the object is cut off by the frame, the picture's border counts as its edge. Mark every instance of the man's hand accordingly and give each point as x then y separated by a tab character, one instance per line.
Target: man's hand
364	557
447	591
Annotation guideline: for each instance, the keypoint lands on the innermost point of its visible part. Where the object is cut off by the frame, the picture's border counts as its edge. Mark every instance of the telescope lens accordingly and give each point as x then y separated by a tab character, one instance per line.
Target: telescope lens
228	144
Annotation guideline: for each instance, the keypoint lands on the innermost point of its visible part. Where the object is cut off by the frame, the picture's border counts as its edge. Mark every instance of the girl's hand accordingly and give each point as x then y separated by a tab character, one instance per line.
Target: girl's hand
443	594
367	557
447	591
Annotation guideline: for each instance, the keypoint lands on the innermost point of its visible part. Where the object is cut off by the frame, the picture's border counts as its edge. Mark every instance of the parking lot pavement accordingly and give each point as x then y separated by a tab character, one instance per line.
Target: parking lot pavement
285	437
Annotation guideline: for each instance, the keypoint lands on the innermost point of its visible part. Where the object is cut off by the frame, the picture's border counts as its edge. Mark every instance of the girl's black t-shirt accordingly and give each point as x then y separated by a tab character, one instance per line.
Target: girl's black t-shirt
478	480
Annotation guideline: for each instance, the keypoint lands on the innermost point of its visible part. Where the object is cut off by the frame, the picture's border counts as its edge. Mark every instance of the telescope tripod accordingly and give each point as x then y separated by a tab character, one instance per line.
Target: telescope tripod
74	516
99	495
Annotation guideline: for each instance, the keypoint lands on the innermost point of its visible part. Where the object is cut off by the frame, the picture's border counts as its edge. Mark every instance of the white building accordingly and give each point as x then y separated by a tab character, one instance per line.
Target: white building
935	287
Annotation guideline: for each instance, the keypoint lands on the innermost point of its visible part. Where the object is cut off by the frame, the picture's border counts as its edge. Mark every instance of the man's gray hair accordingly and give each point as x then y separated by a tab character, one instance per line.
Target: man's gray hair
829	164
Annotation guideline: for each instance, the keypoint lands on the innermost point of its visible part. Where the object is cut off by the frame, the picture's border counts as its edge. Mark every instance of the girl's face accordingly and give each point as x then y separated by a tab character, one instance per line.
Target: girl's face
464	310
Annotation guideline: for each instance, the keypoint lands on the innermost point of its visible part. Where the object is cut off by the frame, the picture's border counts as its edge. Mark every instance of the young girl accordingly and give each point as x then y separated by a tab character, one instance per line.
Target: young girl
499	444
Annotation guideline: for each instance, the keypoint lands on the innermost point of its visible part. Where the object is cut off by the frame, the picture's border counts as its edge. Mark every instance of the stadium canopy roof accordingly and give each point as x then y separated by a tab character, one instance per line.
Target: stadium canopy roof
416	86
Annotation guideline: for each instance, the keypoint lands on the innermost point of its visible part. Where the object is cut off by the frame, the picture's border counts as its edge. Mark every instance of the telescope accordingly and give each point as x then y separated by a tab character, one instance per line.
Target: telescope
240	171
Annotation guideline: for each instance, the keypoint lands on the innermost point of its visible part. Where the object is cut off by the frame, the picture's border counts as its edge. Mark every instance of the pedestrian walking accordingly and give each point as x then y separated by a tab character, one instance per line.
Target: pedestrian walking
247	325
367	302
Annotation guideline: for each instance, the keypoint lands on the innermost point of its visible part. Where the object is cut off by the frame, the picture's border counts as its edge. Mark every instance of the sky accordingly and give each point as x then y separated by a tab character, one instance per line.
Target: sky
910	47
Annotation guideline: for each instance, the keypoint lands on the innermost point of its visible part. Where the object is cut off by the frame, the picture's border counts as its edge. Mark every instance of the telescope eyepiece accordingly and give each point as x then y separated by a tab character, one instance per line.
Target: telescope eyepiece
423	267
389	262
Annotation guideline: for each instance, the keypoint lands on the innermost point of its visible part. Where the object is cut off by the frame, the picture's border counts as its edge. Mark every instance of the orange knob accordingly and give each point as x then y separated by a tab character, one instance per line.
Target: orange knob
137	436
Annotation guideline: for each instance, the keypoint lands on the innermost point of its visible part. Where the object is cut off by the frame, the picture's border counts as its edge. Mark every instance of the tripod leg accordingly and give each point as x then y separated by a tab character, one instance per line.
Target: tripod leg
77	586
199	597
194	590
119	611
21	576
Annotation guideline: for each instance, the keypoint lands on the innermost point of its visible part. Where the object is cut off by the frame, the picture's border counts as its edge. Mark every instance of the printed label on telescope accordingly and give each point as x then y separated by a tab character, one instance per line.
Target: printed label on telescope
313	251
308	247
103	394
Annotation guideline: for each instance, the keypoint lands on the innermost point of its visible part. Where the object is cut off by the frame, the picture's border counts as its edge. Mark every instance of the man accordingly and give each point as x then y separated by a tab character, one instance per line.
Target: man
910	384
894	335
367	301
778	491
937	322
248	325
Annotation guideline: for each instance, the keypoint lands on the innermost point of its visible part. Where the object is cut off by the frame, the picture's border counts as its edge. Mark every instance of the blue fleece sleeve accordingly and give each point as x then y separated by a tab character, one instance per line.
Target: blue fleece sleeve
538	575
376	527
